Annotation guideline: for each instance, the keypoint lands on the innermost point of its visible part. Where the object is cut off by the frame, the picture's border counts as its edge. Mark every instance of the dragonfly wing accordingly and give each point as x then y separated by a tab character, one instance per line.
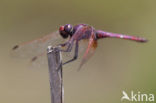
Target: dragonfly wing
35	50
36	46
90	50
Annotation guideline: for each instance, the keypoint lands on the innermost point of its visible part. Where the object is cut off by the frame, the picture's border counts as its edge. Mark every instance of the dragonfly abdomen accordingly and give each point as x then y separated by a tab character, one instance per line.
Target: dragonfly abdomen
102	34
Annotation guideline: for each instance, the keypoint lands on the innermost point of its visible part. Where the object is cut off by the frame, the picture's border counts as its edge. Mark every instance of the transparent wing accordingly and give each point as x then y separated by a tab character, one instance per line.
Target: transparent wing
35	50
69	55
36	46
42	59
92	44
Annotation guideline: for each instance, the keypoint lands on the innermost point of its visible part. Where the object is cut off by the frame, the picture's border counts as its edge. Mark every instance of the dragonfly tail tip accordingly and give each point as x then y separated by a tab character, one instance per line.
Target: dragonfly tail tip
144	40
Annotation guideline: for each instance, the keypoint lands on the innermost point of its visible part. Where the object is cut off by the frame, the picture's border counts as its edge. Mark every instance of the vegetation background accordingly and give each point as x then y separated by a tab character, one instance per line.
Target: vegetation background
116	66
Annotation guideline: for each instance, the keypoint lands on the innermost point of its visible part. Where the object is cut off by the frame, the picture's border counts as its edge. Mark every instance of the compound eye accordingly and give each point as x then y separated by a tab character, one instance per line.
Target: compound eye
68	28
61	28
63	33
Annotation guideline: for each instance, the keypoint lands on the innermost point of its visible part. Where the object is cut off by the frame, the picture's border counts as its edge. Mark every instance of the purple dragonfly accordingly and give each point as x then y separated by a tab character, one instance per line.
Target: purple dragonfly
74	34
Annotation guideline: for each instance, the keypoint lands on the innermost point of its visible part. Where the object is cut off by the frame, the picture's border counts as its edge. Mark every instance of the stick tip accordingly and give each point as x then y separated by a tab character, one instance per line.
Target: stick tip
49	49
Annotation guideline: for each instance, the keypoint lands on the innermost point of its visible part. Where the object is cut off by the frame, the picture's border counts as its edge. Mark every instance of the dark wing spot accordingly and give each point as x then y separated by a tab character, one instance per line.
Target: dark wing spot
34	58
15	47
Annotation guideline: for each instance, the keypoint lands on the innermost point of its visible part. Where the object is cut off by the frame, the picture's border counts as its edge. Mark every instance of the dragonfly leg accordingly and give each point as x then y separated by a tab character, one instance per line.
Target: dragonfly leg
75	55
63	45
69	47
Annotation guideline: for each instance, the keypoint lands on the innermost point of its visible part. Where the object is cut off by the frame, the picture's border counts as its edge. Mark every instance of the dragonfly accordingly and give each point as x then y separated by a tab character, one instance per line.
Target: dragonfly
73	35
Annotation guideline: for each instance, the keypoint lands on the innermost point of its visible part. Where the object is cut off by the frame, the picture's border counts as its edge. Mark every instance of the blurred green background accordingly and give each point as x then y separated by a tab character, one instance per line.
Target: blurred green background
116	66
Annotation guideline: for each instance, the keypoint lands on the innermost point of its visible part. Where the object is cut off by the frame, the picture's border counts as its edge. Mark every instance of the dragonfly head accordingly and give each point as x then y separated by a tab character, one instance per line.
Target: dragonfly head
66	30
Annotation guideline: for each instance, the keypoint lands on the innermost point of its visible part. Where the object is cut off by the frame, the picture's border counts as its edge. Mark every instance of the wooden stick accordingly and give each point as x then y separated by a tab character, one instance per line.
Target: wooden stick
55	74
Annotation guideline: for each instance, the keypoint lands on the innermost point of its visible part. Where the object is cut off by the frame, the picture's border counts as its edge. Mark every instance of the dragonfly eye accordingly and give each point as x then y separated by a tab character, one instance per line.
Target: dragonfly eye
68	29
63	33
